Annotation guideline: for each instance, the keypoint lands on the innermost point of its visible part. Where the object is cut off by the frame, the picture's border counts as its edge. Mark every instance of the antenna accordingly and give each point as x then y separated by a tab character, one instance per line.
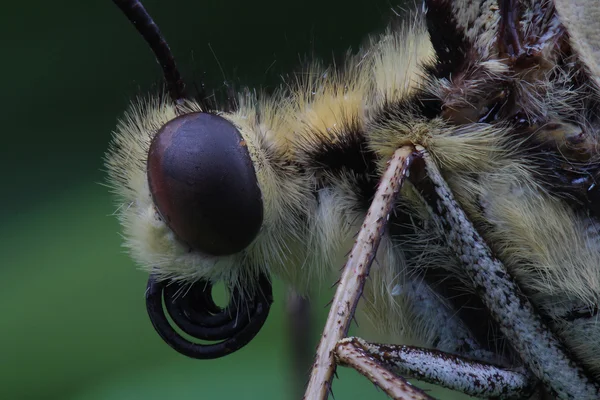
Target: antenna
143	22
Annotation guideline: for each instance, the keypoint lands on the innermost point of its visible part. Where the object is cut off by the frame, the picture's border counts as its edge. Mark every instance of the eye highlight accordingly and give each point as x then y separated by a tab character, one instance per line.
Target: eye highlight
203	183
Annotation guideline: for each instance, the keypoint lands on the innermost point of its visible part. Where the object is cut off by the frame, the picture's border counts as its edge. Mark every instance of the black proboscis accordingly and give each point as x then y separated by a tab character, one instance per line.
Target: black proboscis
194	312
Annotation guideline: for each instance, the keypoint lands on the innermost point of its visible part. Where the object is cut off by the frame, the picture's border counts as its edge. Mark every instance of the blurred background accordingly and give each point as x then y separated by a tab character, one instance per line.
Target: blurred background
74	324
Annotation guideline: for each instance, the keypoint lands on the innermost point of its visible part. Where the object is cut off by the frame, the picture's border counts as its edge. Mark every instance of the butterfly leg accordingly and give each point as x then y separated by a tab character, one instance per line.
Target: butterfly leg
539	349
470	377
299	325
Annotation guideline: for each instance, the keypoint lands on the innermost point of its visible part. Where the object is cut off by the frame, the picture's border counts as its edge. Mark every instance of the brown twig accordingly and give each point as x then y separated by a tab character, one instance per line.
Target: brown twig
355	273
350	353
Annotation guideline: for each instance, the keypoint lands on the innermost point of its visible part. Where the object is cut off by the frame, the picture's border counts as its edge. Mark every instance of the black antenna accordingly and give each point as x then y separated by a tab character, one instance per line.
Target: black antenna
139	17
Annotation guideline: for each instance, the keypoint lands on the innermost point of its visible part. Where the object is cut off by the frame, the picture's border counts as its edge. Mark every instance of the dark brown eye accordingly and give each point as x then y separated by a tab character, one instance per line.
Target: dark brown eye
204	185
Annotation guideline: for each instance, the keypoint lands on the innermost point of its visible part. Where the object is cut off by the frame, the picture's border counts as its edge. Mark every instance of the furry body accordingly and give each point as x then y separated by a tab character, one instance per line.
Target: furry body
513	132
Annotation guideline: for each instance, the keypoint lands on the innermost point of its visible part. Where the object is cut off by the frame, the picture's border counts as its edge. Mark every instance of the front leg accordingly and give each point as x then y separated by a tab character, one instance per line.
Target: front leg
470	377
537	346
298	318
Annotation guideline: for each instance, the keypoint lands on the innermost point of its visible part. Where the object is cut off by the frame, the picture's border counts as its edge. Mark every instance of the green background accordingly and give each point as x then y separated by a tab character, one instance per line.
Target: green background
74	324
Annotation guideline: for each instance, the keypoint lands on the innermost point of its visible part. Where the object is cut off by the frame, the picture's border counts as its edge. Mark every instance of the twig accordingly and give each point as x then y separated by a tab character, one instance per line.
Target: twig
355	273
350	352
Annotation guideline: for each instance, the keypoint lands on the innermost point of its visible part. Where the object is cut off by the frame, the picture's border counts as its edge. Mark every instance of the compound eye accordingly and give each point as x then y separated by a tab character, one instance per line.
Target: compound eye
203	183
